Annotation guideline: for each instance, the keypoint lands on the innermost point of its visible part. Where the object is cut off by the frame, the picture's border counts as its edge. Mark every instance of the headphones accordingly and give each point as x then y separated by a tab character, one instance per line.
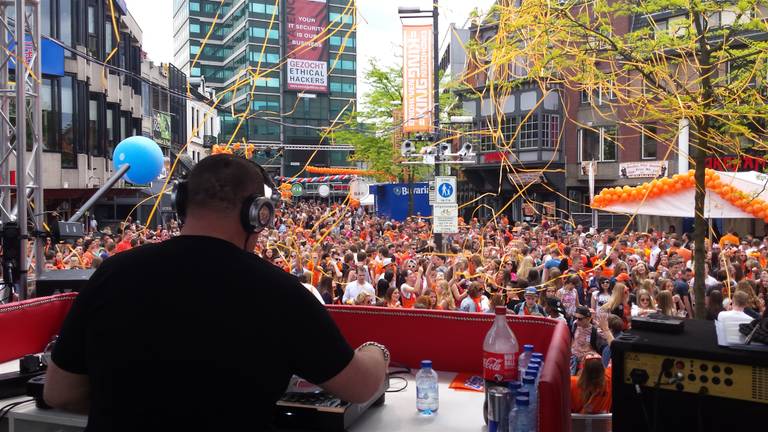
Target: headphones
256	213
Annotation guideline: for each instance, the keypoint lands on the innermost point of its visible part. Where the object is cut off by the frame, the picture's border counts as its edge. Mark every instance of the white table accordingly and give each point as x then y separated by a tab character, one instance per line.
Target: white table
459	410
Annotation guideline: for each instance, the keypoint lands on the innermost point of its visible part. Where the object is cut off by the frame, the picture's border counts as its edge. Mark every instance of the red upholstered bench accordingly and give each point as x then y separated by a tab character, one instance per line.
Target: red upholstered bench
29	325
454	342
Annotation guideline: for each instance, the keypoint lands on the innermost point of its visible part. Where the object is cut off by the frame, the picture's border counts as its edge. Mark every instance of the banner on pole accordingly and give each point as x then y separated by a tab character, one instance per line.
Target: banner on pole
307	60
418	73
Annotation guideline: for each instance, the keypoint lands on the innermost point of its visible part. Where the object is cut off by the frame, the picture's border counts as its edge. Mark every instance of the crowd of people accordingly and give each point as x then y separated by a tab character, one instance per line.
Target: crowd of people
594	281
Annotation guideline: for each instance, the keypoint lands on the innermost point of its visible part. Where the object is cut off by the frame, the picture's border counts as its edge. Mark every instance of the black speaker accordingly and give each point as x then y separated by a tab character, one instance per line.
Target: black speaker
60	281
685	381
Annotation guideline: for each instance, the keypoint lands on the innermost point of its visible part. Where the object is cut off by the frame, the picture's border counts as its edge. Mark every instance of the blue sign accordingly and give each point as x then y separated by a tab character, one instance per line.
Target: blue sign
52	56
392	200
445	190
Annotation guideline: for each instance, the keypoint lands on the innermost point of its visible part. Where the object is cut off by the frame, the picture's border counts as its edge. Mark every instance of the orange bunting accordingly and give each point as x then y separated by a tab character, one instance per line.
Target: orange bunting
757	207
342	171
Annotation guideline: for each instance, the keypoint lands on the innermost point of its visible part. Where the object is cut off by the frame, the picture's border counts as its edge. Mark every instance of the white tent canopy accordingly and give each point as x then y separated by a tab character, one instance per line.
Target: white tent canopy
681	203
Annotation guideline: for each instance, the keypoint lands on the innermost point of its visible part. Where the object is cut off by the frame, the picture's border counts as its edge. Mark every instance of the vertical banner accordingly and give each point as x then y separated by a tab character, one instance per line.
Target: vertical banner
418	74
307	59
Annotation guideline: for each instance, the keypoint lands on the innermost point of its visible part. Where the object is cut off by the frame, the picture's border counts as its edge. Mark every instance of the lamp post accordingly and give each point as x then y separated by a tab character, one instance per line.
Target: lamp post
411	12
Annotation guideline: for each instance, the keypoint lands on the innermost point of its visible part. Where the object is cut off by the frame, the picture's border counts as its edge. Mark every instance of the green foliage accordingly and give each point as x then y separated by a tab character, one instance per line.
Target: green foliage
371	129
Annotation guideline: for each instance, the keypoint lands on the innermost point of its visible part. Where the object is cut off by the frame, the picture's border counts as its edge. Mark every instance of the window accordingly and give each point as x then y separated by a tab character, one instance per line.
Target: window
598	144
508	131
648	142
66	122
342	40
45	17
194	6
194	28
93	40
194	49
336	17
146	100
529	132
65	23
550	130
47	101
95	147
113	113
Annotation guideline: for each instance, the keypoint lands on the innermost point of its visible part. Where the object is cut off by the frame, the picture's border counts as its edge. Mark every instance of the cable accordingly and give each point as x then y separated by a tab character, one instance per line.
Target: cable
7	409
398	389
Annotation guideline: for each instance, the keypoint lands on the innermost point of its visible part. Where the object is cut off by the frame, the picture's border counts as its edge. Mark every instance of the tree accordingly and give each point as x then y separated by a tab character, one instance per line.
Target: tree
372	130
652	62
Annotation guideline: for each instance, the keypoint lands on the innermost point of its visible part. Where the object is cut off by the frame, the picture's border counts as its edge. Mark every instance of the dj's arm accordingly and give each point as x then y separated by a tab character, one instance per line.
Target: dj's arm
66	390
362	378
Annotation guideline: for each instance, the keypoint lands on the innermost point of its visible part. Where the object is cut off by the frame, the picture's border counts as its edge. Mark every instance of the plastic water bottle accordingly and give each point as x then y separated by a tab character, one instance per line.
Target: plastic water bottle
427	399
514	387
529	383
522	416
533	370
524	359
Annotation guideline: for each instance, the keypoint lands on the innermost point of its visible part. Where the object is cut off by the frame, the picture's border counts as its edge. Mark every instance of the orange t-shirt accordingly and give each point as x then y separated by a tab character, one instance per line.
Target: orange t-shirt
599	403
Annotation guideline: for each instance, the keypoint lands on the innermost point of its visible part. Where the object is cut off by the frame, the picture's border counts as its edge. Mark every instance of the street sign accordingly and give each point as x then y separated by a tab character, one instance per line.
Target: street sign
445	188
358	189
431	192
323	190
446	218
297	189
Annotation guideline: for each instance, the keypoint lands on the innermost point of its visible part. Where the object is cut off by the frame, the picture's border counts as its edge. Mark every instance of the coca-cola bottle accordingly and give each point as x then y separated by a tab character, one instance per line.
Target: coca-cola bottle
500	351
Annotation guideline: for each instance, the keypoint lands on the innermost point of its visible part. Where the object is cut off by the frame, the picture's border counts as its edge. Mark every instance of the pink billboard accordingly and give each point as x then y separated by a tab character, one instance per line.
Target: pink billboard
307	59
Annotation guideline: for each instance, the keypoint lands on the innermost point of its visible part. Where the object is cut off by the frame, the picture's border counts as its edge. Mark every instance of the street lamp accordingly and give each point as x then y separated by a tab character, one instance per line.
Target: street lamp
407	12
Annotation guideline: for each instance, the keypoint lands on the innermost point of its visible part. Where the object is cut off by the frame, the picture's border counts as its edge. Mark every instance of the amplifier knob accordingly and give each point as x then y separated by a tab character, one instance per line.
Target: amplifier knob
716	369
715	380
704	367
728	382
704	379
679	386
728	370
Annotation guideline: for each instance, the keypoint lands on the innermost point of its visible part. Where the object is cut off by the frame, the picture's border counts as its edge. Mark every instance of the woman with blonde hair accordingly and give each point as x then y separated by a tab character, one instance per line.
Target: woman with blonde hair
753	305
645	304
525	266
665	304
618	304
445	300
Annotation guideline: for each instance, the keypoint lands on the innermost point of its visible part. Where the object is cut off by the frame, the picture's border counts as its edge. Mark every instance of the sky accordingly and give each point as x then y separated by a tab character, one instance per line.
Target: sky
378	36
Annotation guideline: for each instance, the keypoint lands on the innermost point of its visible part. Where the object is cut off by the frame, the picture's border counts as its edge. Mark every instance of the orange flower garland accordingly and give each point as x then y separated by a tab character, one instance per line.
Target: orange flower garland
757	207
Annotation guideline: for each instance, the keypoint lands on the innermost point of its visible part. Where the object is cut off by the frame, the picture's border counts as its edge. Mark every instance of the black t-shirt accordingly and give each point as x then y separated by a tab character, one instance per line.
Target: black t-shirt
194	334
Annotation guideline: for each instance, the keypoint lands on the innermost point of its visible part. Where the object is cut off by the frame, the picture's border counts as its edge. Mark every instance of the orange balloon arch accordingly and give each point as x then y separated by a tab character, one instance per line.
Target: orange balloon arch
757	207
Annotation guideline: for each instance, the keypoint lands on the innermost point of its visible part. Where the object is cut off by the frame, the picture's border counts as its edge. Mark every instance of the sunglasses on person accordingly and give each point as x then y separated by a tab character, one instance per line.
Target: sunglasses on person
605	282
580	317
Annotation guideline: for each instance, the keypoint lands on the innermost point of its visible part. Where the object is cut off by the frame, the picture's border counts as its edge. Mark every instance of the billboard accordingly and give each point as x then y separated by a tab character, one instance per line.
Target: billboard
161	127
418	74
307	59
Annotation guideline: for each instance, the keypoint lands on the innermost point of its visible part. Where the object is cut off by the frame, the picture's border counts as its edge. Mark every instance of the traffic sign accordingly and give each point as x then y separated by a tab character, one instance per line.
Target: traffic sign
446	218
323	190
445	188
297	189
358	189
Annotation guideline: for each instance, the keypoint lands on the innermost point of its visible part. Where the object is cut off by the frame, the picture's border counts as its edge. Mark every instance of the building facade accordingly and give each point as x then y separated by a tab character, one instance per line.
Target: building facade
516	133
245	48
94	94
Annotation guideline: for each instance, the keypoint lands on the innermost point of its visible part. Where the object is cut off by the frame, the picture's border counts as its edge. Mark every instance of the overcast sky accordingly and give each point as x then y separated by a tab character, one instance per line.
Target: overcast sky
378	32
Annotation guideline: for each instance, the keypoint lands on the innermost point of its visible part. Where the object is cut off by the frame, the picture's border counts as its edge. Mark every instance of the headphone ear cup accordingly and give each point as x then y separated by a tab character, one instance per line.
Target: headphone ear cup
180	199
257	213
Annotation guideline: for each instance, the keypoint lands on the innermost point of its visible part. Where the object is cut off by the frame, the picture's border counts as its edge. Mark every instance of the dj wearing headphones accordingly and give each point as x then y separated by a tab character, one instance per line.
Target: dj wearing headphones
197	332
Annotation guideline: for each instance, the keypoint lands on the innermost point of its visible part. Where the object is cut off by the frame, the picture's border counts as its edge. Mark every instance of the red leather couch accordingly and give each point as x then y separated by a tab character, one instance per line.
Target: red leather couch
29	325
454	342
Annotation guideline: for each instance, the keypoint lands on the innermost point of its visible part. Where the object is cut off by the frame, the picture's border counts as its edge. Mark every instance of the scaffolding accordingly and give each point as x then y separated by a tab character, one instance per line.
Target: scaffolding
21	188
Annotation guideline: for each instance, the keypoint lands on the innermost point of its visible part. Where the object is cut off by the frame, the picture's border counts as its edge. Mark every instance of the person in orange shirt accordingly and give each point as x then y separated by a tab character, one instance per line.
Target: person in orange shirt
591	390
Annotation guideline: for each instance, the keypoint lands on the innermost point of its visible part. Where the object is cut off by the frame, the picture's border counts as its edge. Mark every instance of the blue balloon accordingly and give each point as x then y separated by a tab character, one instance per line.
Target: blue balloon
144	157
